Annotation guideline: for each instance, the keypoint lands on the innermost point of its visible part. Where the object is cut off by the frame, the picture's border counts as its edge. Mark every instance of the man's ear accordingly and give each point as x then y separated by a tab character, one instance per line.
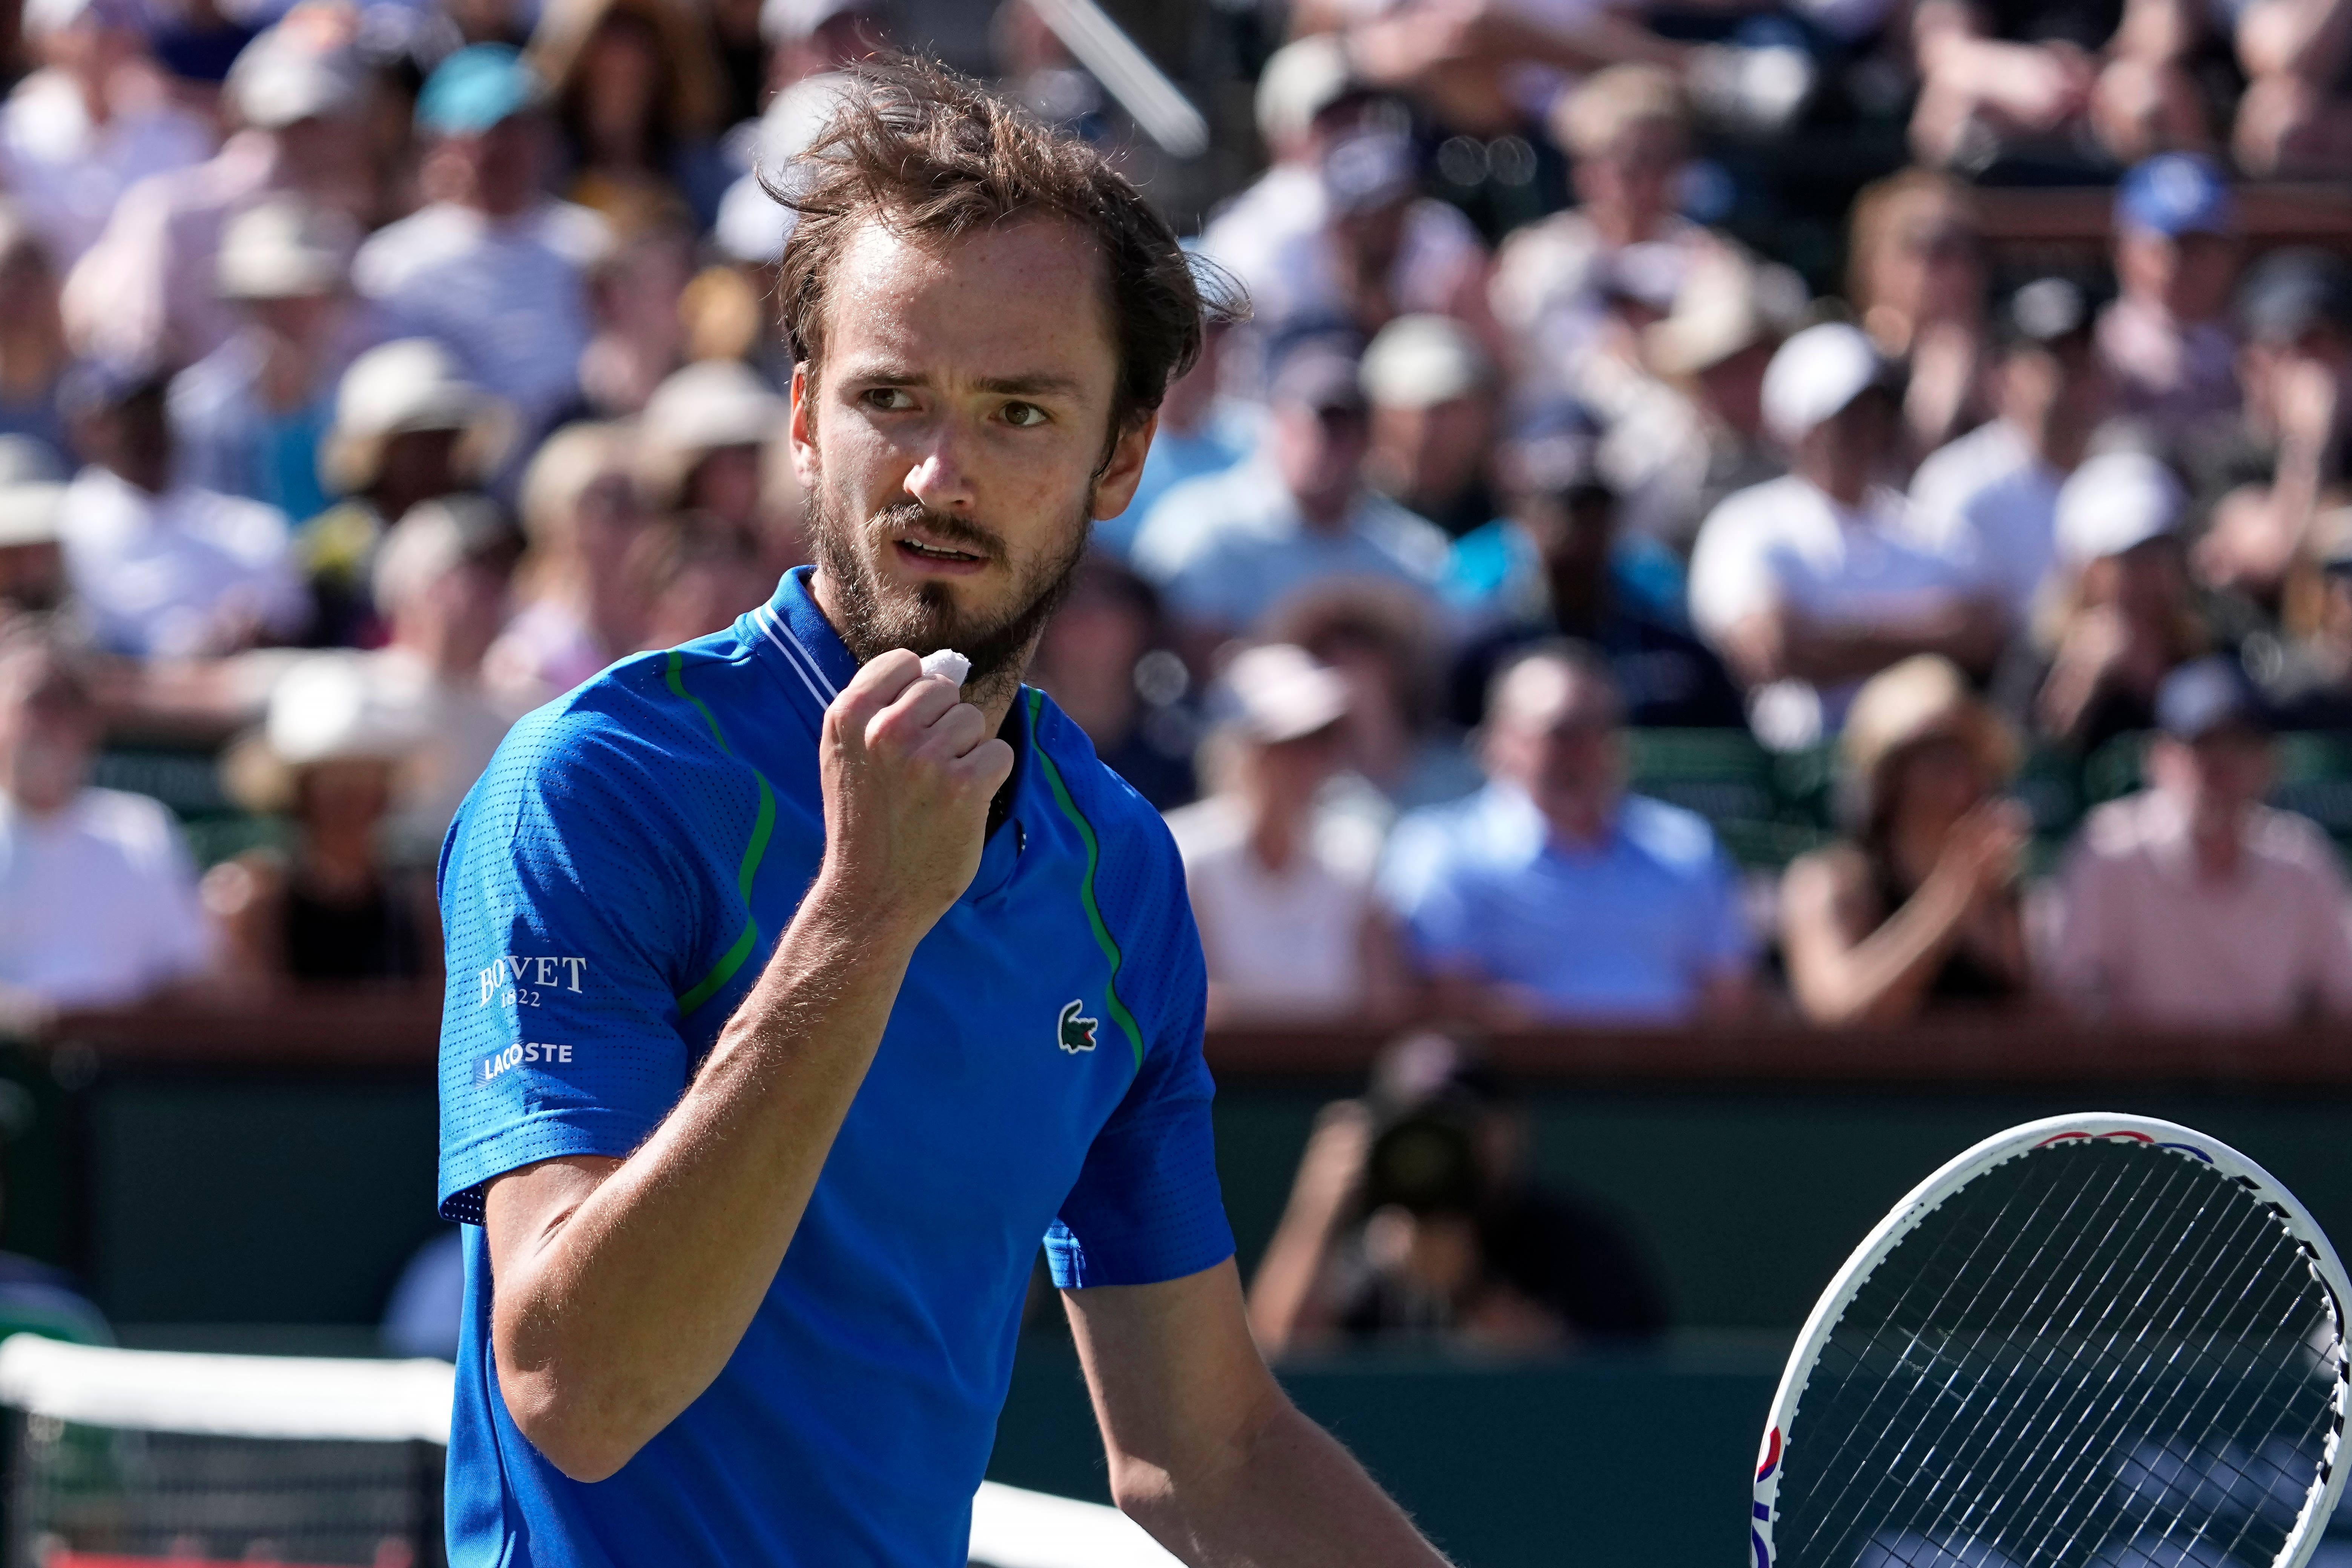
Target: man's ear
1115	484
803	428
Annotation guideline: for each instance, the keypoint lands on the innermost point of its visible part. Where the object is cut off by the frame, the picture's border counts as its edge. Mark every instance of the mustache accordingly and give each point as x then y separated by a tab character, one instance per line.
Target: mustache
955	532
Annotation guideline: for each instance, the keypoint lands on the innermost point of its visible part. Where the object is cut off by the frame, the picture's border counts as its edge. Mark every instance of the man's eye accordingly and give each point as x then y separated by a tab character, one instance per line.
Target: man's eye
891	399
1023	415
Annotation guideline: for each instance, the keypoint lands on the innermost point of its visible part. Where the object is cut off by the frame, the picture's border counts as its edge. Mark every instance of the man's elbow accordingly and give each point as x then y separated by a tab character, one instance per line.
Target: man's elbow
568	1431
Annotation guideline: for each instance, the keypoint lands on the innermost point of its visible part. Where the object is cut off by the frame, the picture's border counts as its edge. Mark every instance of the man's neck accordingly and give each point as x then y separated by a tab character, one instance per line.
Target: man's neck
1324	513
992	696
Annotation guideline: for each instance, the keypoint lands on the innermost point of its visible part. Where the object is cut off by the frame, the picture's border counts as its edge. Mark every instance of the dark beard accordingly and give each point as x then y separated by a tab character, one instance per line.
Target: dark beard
999	650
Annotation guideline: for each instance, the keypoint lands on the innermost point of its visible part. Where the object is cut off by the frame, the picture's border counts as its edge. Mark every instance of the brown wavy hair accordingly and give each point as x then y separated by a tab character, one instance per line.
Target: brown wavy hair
935	155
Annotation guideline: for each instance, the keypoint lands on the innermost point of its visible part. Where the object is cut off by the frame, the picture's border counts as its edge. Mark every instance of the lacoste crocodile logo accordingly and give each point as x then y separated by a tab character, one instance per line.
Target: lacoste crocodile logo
1077	1031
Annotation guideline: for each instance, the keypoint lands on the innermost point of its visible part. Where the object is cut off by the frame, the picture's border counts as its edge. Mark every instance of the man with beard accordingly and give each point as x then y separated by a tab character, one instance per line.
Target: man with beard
794	993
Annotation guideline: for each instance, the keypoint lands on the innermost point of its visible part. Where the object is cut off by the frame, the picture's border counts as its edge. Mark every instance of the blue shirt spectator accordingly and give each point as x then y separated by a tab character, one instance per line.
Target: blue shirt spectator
1199	433
1226	550
1554	893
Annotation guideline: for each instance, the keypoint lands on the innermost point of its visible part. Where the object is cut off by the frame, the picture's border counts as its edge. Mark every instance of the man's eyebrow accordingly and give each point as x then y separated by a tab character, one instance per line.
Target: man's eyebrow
1035	384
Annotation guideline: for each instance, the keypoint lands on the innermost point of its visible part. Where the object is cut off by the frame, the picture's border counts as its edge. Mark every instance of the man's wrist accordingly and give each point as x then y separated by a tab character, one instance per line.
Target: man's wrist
849	911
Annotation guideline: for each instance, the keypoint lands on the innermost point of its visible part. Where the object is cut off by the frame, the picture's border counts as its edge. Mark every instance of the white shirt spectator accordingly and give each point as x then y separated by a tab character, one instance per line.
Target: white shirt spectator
2140	933
68	171
1988	502
461	727
1227	547
1787	545
98	903
1550	291
506	298
177	575
1290	942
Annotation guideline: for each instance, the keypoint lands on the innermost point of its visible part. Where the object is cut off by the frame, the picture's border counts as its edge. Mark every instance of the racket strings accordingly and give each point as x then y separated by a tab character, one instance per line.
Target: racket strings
2096	1354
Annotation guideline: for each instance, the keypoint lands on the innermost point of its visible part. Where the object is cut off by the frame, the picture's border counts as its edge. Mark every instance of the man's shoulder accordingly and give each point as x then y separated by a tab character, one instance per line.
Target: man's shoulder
134	826
1677	839
1412	540
392	257
1199	515
1763	512
1120	819
1962	468
2125	830
2295	842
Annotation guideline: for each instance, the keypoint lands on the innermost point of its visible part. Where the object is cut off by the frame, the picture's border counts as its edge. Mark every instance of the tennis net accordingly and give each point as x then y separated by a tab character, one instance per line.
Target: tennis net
121	1459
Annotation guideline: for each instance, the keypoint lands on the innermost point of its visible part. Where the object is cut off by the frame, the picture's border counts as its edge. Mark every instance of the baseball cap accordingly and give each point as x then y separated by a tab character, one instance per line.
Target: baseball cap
2114	502
1301	80
1816	376
1319	377
1369	168
2206	695
1422	360
789	21
2176	193
475	89
278	80
2289	292
2046	311
1277	692
1727	304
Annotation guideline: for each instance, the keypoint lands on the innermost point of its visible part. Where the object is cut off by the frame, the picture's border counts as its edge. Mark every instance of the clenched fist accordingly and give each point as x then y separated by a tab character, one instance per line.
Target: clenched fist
908	770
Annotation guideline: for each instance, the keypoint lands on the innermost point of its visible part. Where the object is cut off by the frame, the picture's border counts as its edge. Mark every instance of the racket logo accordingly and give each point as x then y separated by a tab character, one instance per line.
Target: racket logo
1772	1459
2127	1135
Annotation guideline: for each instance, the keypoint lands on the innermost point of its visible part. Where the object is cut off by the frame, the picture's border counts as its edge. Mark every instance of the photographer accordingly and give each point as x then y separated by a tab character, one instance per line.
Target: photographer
1412	1216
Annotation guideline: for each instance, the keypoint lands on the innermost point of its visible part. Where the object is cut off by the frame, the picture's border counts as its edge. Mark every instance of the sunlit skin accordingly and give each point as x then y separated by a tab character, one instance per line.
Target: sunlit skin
956	447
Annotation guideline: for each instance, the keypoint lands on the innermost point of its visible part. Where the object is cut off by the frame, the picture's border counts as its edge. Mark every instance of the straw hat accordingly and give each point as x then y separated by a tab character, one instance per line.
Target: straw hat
1923	698
705	408
323	708
410	384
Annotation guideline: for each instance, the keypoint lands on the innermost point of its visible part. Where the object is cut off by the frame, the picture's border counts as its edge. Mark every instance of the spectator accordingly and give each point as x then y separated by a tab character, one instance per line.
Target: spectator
2127	616
1413	1215
1382	639
1729	318
1227	547
167	569
1486	72
441	582
250	418
1568	572
33	580
2167	340
1288	927
1201	432
1377	250
1920	906
700	443
2312	687
1436	398
408	428
1628	131
33	353
1552	894
145	292
1991	497
582	607
2292	121
330	909
1810	584
490	266
97	897
95	117
695	574
636	295
1106	660
2264	475
2193	905
1914	273
637	93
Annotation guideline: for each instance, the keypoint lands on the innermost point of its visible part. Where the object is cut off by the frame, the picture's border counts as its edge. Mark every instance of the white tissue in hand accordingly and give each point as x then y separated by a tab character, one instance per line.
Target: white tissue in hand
947	662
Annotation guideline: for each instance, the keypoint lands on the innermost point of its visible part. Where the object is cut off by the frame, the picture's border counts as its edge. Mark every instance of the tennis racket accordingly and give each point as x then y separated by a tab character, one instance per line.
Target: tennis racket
2092	1342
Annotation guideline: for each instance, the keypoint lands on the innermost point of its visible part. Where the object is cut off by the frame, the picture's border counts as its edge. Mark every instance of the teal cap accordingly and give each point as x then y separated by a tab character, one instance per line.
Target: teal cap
474	90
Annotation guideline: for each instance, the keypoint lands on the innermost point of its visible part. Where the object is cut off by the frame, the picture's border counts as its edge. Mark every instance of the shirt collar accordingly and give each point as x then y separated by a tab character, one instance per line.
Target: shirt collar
1525	834
794	630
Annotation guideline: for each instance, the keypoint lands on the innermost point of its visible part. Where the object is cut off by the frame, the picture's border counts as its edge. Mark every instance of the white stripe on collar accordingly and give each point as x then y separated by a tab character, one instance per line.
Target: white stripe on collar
803	662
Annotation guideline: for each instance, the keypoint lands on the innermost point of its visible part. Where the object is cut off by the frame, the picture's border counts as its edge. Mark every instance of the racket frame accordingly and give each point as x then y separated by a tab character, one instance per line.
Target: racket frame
1923	1200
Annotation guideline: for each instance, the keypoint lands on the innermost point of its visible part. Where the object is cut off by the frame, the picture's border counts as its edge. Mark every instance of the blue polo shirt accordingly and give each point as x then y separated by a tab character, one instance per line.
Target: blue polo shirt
1622	931
610	891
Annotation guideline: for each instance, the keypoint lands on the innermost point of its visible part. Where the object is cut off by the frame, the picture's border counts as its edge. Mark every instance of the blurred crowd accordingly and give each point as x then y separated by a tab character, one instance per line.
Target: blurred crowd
1578	592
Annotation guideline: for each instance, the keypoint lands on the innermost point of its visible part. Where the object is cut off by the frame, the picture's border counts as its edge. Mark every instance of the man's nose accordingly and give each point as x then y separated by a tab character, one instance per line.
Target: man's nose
939	479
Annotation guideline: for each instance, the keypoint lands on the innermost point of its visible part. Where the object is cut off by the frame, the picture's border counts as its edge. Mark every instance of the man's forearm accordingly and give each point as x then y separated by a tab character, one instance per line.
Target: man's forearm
625	1305
1293	1497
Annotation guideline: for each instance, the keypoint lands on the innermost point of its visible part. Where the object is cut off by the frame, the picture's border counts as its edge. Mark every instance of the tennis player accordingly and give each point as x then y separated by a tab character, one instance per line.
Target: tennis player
794	994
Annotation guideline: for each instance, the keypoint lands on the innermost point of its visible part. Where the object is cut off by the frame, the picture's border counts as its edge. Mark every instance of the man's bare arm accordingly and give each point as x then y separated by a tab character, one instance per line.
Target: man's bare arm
1779	644
1206	1451
622	1287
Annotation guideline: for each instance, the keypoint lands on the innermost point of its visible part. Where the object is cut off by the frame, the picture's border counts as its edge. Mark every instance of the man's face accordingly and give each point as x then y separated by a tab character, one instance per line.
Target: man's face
1554	734
49	732
2219	776
1319	452
1432	454
1638	174
2188	276
952	443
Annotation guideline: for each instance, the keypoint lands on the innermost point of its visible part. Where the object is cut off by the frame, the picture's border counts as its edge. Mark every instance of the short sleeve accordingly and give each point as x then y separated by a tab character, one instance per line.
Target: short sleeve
1146	1206
1725	943
571	901
1440	921
1728	582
